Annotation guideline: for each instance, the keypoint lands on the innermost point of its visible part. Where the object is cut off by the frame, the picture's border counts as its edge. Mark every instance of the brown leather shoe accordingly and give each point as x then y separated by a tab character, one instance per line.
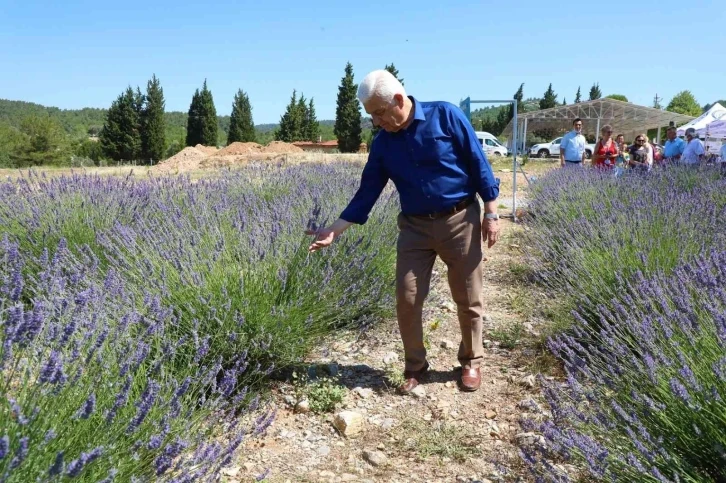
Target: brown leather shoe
470	379
412	379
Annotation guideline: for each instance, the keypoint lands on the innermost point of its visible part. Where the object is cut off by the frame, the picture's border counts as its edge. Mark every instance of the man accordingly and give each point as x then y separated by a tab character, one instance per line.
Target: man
694	151
722	160
674	146
431	153
572	147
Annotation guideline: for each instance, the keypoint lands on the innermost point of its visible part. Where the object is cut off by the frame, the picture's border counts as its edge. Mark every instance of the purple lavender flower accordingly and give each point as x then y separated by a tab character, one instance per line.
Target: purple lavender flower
4	446
76	466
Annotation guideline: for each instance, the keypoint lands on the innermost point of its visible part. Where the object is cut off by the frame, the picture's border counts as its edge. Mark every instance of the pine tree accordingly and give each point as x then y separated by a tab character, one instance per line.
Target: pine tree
241	127
347	114
208	113
392	69
301	118
595	92
549	99
291	122
578	96
153	132
194	121
564	101
311	130
120	136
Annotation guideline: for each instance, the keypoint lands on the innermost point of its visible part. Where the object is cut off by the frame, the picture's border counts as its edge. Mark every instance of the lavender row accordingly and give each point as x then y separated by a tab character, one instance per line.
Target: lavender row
204	285
641	260
86	388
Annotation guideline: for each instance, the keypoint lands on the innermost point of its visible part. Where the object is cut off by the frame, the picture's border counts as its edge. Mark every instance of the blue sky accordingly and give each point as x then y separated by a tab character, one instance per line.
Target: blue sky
75	54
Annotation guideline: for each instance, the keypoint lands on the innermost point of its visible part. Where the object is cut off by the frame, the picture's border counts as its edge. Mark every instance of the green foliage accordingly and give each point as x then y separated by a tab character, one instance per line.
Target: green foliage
509	336
88	148
549	100
348	128
121	137
153	129
617	97
595	92
323	394
684	103
311	127
241	127
292	122
578	96
202	123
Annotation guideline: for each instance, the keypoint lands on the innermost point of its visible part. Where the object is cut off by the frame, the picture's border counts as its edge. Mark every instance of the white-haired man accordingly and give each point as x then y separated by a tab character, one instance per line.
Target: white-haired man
694	151
431	153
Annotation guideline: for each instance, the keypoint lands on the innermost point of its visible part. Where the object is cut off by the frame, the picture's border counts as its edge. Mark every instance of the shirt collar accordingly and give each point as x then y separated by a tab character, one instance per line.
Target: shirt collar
418	114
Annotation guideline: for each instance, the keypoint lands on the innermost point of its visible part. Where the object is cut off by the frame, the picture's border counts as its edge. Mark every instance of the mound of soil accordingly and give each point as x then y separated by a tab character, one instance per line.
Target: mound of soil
281	147
208	150
185	160
238	148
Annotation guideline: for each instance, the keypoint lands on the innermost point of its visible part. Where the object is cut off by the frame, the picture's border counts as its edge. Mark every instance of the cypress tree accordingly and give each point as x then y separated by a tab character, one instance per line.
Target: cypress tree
290	122
194	121
241	127
578	96
312	126
347	114
595	92
549	99
208	115
120	136
153	133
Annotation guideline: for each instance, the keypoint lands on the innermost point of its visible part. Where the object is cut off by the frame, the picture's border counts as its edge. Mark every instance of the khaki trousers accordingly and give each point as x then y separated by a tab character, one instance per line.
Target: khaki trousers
457	240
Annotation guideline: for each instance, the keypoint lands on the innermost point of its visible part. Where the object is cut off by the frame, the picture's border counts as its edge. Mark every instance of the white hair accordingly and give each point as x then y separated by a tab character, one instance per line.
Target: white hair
381	84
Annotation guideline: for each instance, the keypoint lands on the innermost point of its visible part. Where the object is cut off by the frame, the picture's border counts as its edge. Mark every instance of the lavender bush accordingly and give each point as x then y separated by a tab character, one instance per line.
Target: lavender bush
648	403
87	392
137	314
641	260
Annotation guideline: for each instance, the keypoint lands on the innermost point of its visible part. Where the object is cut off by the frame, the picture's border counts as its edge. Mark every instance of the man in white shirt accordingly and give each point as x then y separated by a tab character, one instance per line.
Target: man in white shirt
694	152
572	147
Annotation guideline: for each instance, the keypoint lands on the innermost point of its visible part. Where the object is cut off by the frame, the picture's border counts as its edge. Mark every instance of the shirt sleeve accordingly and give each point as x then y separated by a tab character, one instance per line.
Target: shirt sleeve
699	148
373	180
464	136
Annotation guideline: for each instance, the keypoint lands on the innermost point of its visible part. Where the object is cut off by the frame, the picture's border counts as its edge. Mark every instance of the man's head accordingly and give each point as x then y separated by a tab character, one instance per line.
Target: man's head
384	98
620	139
690	133
577	124
671	133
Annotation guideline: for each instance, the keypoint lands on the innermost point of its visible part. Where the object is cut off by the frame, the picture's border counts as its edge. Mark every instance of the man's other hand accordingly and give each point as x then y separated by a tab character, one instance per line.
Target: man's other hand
490	231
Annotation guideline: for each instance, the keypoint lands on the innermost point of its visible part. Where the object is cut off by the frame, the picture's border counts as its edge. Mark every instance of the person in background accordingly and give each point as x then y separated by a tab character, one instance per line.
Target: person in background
606	149
572	147
694	152
641	154
431	153
622	150
674	146
722	160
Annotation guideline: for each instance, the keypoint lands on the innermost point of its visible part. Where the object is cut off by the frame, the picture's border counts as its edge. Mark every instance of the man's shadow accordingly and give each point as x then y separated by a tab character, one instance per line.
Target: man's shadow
362	375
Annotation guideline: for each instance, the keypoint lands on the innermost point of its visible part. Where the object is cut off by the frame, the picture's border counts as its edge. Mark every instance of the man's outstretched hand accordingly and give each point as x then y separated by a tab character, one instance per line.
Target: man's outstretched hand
325	237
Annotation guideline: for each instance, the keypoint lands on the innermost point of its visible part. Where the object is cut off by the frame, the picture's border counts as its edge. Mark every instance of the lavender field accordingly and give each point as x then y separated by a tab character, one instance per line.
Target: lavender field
140	320
638	266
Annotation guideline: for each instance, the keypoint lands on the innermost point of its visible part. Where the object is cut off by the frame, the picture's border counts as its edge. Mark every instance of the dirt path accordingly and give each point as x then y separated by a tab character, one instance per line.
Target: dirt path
442	435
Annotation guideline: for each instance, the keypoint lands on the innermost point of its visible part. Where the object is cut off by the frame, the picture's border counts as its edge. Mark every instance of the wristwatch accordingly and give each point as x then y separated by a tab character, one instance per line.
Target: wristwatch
491	216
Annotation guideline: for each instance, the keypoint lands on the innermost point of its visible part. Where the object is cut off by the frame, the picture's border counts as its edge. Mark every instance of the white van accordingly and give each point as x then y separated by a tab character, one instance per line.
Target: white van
491	144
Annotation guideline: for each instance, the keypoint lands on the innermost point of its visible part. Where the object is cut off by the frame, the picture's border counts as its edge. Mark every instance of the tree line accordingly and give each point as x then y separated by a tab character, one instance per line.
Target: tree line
494	119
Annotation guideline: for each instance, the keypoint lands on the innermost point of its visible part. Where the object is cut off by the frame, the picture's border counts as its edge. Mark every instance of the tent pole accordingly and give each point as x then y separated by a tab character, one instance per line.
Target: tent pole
514	162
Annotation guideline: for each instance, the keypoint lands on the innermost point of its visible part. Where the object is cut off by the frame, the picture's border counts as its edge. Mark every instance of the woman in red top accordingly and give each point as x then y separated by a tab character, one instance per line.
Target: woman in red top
606	151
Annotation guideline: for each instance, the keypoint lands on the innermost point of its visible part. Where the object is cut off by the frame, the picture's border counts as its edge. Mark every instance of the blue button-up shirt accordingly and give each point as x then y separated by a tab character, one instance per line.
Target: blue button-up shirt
436	162
573	145
674	148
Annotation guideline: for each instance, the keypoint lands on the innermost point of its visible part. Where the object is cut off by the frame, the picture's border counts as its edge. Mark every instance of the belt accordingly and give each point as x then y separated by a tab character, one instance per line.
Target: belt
568	161
448	211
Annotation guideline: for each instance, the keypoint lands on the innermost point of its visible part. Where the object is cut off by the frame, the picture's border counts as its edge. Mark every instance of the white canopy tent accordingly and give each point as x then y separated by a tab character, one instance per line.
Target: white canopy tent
702	122
626	118
717	129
